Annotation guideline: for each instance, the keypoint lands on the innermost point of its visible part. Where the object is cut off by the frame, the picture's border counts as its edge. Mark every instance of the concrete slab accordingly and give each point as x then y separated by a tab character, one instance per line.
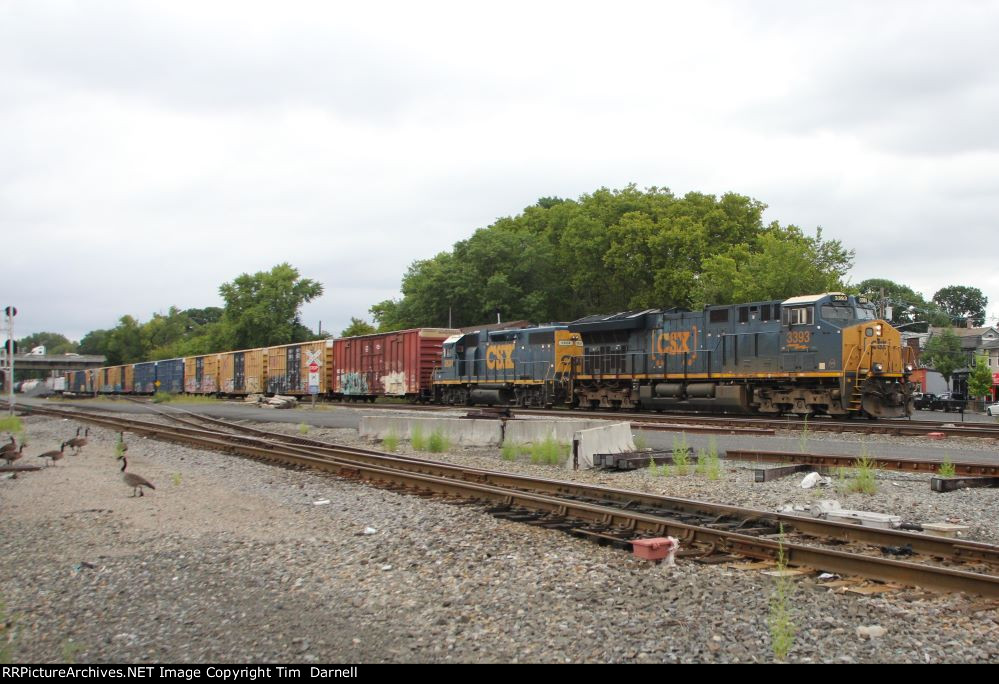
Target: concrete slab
607	439
458	431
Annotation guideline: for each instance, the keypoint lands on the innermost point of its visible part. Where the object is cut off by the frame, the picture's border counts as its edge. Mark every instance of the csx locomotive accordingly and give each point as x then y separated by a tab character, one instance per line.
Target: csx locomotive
817	354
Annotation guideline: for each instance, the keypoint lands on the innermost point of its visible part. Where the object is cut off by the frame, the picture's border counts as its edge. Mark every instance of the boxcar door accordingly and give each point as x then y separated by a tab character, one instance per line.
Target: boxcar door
199	372
238	372
293	371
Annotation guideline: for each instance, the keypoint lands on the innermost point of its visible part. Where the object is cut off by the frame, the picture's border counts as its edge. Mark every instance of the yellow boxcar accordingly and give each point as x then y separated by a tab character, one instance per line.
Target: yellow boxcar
243	372
201	374
300	369
114	379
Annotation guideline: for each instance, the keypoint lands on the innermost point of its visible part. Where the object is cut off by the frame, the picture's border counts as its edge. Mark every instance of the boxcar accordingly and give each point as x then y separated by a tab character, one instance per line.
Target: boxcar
170	376
144	377
201	374
115	380
395	364
300	368
243	372
80	382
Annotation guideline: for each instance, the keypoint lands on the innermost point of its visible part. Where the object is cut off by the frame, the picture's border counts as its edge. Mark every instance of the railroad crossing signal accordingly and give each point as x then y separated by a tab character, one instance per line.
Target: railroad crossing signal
10	311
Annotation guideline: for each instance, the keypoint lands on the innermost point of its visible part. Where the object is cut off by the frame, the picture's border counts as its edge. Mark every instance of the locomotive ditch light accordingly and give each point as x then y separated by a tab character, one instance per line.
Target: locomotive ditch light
879	368
909	368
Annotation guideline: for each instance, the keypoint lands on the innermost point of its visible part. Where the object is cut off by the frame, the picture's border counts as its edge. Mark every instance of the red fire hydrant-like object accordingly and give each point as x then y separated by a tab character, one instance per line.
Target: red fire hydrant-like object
656	549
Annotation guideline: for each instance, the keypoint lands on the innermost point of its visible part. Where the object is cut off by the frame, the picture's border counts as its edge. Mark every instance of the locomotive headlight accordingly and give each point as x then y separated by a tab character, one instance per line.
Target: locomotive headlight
877	329
909	368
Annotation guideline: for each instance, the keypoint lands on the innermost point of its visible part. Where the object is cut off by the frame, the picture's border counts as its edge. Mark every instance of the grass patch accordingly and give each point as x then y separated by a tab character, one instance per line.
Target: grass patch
11	424
438	442
175	478
681	455
641	441
509	452
417	440
303	429
782	629
175	398
391	441
548	452
863	474
119	446
713	465
803	438
947	469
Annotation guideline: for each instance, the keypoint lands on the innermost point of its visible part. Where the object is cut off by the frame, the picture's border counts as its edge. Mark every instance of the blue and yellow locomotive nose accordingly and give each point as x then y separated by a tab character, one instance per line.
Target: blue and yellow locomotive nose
876	365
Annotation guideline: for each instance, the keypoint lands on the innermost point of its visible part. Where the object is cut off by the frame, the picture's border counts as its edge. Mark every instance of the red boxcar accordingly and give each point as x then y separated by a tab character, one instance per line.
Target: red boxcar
395	364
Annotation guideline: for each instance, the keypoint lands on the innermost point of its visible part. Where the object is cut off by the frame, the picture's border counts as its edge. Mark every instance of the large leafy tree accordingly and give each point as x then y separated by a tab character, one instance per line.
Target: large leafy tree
263	309
961	302
943	353
614	250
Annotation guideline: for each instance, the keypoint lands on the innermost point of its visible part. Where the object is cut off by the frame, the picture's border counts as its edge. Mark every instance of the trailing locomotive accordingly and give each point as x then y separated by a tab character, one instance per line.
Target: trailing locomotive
817	354
522	367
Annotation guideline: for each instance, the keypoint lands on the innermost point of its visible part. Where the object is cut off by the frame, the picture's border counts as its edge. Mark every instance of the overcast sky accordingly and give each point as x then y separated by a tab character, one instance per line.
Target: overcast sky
150	151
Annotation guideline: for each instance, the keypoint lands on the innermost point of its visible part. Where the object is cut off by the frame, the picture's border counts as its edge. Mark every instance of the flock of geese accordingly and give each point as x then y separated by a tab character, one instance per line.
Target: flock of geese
11	452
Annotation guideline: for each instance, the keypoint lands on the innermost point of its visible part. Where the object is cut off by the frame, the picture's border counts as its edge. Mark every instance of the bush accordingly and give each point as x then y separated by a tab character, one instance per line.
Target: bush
391	441
416	440
438	442
548	452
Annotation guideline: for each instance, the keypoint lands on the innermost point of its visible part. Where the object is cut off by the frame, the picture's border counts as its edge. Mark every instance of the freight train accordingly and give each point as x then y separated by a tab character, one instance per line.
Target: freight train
817	354
395	364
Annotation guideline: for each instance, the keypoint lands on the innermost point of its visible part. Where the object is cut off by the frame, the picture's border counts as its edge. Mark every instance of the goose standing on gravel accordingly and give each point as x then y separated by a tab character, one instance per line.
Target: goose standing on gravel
78	442
10	455
8	448
136	482
54	455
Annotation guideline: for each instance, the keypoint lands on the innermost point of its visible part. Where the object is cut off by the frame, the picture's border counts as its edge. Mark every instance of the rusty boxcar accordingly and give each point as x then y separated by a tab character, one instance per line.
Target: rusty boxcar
394	364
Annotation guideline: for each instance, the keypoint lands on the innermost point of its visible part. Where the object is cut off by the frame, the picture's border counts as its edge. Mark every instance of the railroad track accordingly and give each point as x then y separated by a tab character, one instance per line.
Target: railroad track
726	424
708	532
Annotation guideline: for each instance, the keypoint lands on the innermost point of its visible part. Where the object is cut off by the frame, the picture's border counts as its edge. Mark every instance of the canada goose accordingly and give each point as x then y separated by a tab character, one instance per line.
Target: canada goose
78	442
136	482
10	455
54	455
8	447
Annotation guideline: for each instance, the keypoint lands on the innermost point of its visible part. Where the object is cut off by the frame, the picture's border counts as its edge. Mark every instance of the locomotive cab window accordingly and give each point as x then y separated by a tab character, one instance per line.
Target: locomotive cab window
837	314
798	315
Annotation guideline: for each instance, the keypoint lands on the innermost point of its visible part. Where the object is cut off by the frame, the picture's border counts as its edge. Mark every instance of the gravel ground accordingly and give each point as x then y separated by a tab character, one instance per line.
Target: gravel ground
231	560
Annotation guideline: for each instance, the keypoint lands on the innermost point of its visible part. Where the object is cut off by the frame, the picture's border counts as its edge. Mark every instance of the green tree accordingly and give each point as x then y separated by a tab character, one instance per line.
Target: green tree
94	343
54	343
262	309
961	302
126	343
907	305
358	327
613	250
980	378
943	353
782	262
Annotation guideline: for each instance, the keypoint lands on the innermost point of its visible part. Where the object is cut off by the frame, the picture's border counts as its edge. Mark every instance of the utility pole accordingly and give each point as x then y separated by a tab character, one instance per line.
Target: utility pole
11	348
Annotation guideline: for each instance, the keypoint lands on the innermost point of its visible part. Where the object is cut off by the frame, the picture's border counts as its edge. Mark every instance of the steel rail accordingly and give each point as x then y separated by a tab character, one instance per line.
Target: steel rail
618	520
964	468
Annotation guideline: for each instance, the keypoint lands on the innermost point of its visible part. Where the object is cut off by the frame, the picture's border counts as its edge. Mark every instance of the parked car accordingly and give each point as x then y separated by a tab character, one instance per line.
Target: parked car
949	401
992	409
923	401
